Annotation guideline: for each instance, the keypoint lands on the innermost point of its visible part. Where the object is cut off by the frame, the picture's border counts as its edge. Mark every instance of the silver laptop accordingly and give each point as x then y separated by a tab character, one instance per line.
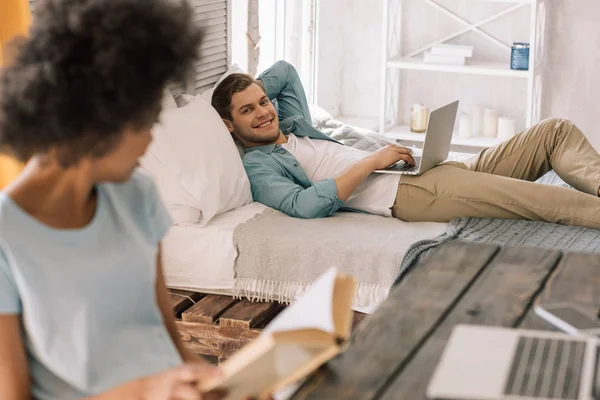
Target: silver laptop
489	363
436	146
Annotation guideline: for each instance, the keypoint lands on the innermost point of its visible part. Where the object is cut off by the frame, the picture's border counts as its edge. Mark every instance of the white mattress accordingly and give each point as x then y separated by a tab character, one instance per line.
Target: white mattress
202	258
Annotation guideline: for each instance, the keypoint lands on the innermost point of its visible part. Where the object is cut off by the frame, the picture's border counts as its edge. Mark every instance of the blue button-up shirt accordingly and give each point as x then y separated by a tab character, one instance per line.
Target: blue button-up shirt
276	177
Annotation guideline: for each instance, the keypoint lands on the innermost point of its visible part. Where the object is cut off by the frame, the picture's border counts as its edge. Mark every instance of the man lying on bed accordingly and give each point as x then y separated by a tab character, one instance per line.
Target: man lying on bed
304	173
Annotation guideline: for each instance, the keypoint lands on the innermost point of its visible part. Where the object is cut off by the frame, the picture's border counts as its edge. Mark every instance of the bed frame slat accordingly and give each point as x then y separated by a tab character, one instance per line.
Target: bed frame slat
208	309
246	314
214	340
182	300
220	325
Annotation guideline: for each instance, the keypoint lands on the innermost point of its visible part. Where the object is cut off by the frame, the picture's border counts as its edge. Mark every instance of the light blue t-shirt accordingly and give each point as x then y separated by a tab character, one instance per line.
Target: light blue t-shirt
87	296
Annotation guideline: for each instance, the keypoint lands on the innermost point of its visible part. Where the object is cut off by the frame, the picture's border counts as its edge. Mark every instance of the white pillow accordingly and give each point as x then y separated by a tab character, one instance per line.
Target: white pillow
182	100
165	174
193	149
162	163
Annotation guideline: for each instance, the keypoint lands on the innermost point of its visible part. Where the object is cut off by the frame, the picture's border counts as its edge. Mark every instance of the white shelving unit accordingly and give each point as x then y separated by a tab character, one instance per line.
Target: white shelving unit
392	34
476	68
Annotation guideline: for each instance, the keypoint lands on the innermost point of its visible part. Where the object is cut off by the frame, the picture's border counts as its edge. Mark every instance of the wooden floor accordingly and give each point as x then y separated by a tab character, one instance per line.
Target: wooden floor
218	326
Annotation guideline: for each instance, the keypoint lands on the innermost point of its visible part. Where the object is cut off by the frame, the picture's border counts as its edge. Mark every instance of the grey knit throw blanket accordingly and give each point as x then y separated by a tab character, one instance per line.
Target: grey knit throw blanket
506	232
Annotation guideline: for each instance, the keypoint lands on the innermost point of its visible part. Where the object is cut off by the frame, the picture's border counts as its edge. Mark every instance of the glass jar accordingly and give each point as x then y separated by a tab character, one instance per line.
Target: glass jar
419	118
519	56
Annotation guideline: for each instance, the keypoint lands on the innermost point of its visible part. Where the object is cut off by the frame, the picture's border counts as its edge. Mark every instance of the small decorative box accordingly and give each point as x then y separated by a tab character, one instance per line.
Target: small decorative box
519	56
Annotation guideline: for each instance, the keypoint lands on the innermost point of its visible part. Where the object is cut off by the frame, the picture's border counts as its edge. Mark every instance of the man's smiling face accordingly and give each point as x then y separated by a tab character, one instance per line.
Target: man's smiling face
254	118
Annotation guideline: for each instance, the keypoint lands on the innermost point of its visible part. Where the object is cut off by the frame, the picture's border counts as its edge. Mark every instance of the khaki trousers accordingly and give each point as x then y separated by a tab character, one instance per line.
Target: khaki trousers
498	182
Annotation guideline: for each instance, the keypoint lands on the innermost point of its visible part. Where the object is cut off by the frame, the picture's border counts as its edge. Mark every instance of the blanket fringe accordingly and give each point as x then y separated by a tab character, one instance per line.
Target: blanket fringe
366	295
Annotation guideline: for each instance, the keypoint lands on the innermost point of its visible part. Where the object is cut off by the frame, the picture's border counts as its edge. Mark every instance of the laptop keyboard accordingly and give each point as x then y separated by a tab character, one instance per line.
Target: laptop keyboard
405	167
546	368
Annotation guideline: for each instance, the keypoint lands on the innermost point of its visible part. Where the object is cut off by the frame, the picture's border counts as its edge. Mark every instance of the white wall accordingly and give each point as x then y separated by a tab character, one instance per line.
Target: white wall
329	57
349	53
349	59
572	68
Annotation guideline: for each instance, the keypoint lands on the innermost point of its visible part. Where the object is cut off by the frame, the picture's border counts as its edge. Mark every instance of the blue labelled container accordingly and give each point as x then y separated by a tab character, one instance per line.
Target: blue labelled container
519	56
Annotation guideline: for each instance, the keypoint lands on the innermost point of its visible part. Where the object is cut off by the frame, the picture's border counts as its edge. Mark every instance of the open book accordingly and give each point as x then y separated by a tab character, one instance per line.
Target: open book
303	337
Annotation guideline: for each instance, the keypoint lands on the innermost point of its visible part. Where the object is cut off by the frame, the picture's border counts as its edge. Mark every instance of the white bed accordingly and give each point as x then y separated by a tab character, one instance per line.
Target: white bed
203	258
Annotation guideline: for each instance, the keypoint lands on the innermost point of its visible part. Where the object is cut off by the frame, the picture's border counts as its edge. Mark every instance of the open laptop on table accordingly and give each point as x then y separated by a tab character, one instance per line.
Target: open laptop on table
491	363
436	146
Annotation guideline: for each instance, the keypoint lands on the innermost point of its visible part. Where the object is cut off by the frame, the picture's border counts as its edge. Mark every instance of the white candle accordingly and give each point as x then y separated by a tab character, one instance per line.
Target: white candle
477	127
464	126
490	122
506	128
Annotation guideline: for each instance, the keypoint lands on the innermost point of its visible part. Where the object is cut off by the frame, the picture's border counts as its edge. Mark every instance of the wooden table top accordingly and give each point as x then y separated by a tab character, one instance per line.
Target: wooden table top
393	352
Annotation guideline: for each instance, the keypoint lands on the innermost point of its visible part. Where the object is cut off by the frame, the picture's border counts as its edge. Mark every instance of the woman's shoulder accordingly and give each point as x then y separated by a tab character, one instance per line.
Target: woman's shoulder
8	210
138	200
139	185
135	197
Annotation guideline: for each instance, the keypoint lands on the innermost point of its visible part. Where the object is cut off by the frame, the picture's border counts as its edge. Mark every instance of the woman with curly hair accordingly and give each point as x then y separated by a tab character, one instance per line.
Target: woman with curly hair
84	311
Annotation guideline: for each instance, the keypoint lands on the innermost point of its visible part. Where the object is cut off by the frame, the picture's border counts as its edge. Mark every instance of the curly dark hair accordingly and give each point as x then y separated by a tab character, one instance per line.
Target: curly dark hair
91	68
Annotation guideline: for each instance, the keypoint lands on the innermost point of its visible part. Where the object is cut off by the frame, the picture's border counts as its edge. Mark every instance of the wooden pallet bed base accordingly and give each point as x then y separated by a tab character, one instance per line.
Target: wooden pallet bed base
218	326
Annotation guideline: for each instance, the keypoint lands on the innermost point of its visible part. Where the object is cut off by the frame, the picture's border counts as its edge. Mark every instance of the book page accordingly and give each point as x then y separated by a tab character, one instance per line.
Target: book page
313	310
277	366
294	344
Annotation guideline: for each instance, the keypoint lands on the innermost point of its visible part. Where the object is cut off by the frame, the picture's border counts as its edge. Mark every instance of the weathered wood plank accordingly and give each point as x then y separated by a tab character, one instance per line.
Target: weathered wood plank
182	300
270	316
208	309
215	340
246	314
384	339
501	297
575	280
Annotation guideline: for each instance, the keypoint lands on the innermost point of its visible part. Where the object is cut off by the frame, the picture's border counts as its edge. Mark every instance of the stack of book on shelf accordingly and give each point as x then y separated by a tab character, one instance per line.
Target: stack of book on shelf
449	54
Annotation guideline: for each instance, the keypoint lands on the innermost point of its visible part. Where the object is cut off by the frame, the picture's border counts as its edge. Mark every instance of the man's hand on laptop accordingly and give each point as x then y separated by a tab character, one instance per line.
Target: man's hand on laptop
390	155
348	181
